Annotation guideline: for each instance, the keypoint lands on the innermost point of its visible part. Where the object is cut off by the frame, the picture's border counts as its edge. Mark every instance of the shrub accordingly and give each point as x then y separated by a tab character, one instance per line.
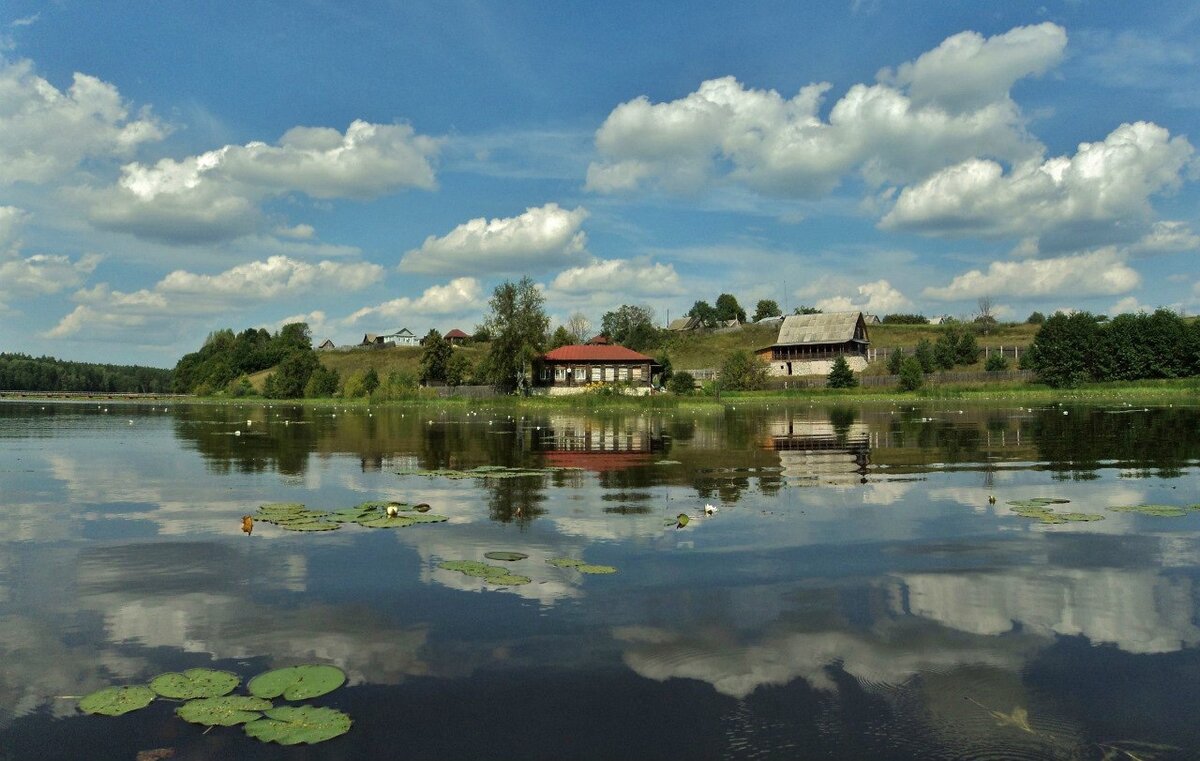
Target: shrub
323	382
923	353
893	361
905	319
681	383
911	375
840	375
996	363
743	371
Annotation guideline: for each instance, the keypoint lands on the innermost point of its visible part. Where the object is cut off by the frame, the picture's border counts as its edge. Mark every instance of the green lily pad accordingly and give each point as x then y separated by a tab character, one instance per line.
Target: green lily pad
292	726
492	574
386	521
1040	511
310	525
195	683
681	520
507	557
297	682
227	711
581	566
280	508
116	701
1038	502
1159	511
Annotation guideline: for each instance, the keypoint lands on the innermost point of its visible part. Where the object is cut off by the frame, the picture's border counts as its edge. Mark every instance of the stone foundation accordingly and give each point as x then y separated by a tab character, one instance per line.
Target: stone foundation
779	368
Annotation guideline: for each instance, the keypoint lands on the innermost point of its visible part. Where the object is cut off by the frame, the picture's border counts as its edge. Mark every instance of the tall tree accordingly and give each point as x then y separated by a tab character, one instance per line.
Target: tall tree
517	324
728	308
766	308
435	357
580	327
705	312
562	336
630	325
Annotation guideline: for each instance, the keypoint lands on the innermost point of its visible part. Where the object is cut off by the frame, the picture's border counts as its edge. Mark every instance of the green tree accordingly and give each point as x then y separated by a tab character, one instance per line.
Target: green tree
802	309
895	357
766	308
370	381
923	353
905	319
840	375
912	377
704	311
743	371
435	357
1035	318
561	337
996	363
292	375
323	382
681	383
458	370
945	351
667	371
728	308
517	324
966	350
629	325
1063	351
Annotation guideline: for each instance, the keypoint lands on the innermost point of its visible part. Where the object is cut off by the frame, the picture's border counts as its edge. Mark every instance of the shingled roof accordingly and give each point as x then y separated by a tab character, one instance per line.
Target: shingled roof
831	327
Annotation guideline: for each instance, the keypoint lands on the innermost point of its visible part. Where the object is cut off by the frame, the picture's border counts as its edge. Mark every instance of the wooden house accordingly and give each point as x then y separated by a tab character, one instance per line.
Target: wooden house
579	367
808	344
684	324
456	337
326	345
599	340
372	339
402	337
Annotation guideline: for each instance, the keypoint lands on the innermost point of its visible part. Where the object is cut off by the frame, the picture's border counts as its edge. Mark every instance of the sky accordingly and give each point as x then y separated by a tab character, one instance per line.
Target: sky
169	169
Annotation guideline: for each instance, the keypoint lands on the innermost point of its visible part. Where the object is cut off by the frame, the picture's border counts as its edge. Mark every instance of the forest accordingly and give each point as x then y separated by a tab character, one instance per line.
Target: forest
21	372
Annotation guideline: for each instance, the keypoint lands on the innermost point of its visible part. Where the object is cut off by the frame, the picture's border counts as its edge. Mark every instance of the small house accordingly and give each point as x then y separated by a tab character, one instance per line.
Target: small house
325	345
599	340
808	344
402	337
372	339
684	324
580	367
456	337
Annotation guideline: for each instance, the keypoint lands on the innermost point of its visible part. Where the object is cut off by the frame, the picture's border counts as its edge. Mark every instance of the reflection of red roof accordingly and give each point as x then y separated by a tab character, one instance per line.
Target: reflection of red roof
600	462
579	353
456	333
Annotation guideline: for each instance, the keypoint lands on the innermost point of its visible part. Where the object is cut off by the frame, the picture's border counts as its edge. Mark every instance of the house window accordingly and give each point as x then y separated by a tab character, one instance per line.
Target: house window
635	373
596	373
560	373
623	373
610	373
581	374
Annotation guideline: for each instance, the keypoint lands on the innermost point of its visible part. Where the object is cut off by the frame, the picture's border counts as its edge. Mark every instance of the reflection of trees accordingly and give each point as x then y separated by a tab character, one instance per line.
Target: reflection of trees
1159	442
265	444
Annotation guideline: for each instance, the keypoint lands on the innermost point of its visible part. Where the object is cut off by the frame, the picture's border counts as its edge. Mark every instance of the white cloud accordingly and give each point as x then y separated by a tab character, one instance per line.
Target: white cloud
878	297
215	196
1101	272
950	104
1166	237
39	274
1129	305
298	232
623	276
11	220
1105	182
104	312
459	295
539	238
45	132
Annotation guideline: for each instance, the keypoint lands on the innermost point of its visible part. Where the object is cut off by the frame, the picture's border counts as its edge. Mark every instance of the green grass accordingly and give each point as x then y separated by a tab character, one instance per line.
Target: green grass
403	359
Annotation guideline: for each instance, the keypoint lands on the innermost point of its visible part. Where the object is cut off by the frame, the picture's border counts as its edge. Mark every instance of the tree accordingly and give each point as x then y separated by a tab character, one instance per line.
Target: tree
579	327
681	383
984	315
458	370
766	308
911	375
435	357
370	381
893	361
728	309
290	378
705	313
966	351
923	353
323	382
517	324
630	325
996	363
1062	354
905	319
562	336
802	309
1035	318
840	375
743	371
664	360
945	350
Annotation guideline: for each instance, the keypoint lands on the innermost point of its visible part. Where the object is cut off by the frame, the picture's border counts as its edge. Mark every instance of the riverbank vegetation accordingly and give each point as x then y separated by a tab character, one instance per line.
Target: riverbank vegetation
21	372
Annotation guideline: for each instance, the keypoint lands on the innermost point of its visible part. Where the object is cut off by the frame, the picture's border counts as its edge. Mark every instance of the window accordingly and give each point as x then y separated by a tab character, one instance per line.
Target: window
560	373
581	374
596	374
623	373
635	373
610	373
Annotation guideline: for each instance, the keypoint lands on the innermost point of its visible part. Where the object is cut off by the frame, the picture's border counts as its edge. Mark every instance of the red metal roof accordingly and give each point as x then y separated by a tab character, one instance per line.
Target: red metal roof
581	353
456	333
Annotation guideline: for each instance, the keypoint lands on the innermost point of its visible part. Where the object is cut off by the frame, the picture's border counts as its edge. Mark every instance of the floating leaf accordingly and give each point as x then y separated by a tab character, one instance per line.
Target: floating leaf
308	526
306	724
1038	502
581	566
297	682
280	508
681	520
508	557
116	701
1160	511
227	711
492	574
565	562
386	521
195	683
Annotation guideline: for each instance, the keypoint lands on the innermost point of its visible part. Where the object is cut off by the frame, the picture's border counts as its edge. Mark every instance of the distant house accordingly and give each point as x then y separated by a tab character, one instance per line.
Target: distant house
871	319
456	337
599	340
578	367
402	337
809	343
941	319
325	345
371	339
685	324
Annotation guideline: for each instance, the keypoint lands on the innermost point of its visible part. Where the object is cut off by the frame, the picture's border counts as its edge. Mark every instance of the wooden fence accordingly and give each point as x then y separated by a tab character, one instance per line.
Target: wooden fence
885	381
1011	352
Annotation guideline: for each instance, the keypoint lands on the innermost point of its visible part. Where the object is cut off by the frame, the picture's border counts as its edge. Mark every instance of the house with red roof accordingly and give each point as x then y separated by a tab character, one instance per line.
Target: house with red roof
456	337
582	367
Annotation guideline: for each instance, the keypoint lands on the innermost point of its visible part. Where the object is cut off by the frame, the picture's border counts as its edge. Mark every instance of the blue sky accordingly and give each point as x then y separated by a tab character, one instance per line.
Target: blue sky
167	169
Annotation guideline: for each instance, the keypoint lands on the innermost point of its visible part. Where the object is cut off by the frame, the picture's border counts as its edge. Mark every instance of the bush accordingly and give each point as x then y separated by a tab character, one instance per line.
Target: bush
996	363
923	353
1063	351
911	375
322	383
458	370
743	371
1035	318
893	361
841	376
905	319
681	383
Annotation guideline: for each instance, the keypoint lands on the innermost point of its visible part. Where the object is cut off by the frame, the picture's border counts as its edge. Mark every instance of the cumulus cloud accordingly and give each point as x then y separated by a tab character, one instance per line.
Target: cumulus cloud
459	295
1166	237
45	132
102	311
1129	305
39	274
539	238
1096	273
216	195
878	297
624	276
1104	182
950	104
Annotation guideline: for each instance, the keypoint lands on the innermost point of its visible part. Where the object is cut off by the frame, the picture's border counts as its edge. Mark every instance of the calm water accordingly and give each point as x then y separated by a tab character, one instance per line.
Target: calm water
855	596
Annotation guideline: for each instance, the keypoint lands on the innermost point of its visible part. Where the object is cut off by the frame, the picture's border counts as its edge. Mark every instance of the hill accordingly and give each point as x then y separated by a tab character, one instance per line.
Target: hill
401	359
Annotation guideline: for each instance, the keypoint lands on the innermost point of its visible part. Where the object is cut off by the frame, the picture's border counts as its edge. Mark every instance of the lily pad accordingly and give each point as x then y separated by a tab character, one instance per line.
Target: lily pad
297	682
668	462
310	525
1159	511
280	508
492	574
195	683
1038	502
116	701
681	520
386	521
292	726
507	557
581	566
227	711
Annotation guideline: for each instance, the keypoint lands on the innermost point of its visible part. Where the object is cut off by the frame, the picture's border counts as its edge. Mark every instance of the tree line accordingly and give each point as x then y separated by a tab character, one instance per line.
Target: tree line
21	372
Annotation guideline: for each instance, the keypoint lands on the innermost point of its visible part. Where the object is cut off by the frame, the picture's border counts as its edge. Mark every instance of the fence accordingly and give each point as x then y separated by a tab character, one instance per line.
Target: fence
935	379
1011	352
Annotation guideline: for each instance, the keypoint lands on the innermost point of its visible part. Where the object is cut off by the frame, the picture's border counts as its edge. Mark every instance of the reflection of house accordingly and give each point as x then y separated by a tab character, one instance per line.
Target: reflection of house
598	444
325	345
456	337
575	368
812	449
809	343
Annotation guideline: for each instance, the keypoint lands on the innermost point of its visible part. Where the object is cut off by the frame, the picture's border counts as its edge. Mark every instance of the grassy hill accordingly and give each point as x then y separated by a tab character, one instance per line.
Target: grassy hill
403	359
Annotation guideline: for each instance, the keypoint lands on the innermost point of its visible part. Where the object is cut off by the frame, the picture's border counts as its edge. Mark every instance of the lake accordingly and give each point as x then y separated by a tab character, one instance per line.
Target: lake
854	593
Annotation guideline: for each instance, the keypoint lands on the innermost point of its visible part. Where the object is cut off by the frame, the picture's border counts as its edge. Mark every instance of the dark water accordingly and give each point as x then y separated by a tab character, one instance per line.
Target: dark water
855	596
